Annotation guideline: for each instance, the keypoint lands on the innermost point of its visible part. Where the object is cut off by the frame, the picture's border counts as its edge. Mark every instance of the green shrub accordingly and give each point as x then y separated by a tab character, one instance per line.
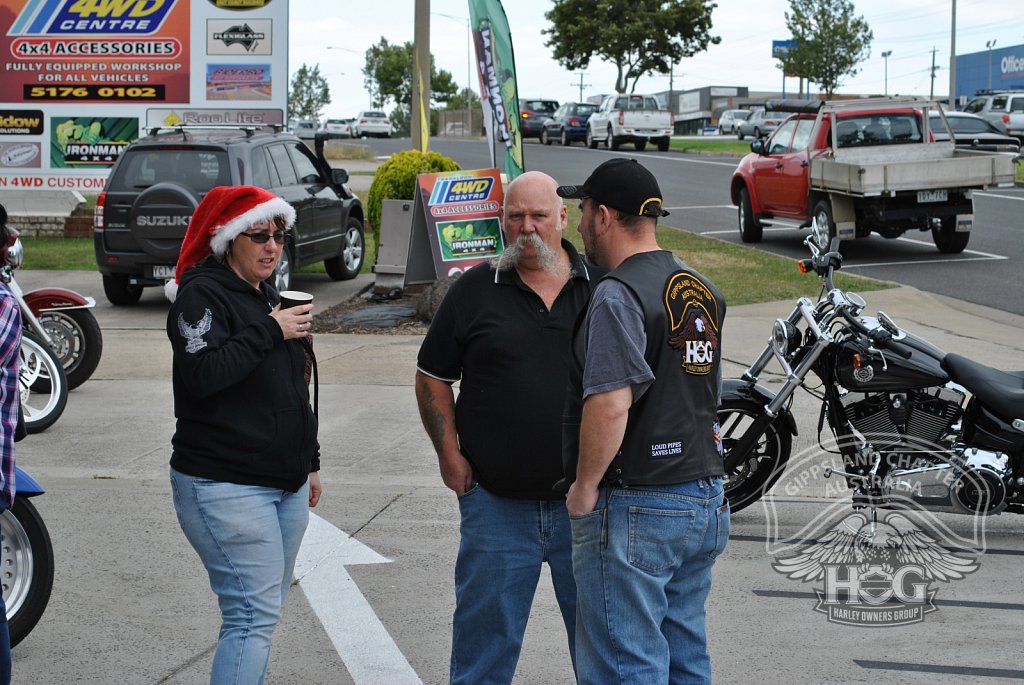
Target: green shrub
396	180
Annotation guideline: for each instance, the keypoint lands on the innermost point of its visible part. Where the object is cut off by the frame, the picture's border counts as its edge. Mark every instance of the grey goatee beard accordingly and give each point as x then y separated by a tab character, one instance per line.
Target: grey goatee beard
513	254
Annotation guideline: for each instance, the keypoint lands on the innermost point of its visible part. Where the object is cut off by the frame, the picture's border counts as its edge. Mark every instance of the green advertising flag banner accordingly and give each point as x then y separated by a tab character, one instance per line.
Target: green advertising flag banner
497	69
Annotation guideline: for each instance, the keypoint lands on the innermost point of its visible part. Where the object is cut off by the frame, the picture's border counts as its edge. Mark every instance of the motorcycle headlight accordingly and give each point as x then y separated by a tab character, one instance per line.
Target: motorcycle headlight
15	254
785	337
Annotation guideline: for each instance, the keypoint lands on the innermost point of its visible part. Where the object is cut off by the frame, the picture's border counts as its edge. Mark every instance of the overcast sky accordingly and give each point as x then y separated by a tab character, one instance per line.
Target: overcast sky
336	34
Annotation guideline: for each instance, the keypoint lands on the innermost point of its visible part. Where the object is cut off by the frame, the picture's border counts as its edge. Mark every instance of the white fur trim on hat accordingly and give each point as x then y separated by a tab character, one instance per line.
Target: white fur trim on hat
262	212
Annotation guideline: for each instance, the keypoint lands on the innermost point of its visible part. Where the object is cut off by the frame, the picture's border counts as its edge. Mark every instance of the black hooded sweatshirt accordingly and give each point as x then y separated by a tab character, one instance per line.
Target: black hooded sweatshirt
240	399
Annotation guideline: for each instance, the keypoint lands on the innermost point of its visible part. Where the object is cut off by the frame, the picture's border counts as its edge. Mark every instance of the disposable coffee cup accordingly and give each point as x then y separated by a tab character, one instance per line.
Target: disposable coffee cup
290	298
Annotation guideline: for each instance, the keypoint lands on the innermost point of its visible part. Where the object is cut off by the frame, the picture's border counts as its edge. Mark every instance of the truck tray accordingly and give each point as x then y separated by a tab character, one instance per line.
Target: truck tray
945	167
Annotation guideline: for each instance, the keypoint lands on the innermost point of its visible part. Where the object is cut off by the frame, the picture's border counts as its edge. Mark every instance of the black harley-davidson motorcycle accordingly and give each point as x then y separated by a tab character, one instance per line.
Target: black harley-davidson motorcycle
914	426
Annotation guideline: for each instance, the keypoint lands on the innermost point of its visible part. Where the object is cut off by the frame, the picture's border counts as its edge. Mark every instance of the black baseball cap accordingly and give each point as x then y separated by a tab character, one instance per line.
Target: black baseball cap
622	184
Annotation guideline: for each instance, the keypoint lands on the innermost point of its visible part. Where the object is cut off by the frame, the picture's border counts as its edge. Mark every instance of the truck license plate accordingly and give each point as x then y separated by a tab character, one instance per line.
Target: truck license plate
163	272
932	196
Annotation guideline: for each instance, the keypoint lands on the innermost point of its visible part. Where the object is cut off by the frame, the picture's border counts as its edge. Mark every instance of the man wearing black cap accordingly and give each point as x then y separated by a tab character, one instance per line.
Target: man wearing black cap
503	331
647	506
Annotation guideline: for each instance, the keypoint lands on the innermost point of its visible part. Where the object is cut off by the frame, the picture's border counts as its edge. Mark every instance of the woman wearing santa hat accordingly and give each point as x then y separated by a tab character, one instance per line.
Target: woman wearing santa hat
245	457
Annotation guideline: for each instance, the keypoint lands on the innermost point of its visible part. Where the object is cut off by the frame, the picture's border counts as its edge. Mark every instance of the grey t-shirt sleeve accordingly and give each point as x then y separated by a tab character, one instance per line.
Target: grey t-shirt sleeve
616	341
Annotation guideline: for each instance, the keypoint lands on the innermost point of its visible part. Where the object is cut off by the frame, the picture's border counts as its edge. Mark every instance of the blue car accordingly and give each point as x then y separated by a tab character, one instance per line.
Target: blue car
568	123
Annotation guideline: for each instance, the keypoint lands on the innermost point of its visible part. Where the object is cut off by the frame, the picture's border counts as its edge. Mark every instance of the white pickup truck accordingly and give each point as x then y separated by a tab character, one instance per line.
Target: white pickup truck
634	119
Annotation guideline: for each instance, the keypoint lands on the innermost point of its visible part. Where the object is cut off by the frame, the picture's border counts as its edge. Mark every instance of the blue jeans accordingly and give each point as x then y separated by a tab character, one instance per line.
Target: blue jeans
504	542
643	563
247	538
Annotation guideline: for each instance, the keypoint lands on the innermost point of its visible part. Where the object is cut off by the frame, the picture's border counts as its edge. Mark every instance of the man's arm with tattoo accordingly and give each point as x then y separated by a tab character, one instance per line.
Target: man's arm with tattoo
436	400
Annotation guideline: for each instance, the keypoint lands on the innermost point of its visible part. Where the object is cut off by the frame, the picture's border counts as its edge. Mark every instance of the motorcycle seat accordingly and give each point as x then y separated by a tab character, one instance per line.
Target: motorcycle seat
1001	391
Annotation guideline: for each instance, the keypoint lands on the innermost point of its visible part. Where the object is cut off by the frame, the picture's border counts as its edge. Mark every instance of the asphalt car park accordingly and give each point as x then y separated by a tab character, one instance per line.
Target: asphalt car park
373	602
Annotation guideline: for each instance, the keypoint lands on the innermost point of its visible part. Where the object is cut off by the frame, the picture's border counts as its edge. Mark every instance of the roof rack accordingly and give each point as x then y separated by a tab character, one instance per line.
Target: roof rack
993	91
185	128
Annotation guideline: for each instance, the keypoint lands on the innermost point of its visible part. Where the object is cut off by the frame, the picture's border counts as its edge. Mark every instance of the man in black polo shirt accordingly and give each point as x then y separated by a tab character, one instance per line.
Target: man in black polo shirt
504	330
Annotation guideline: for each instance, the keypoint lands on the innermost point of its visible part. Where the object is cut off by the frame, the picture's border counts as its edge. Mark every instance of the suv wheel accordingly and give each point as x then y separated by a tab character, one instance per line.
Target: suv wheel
120	292
282	278
349	263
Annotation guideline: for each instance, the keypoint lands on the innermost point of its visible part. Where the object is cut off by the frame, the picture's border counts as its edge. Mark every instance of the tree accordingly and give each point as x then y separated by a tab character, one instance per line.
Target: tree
464	99
309	93
637	36
388	76
831	41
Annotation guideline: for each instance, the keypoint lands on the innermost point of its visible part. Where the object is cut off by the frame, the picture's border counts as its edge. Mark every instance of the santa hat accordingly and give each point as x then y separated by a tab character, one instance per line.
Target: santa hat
225	212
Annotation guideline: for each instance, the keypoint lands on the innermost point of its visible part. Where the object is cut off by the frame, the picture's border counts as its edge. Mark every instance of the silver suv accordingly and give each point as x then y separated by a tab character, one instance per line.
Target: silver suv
158	181
1003	108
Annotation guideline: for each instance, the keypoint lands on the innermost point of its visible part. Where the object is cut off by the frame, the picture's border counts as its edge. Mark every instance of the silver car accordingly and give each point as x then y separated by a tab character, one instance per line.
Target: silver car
731	119
759	124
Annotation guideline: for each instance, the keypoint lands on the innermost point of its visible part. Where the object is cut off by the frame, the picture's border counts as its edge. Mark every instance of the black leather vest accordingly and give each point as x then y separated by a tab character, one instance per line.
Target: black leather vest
672	431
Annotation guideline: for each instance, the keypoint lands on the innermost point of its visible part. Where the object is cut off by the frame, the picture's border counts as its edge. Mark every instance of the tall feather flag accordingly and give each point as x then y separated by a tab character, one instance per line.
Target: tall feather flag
496	67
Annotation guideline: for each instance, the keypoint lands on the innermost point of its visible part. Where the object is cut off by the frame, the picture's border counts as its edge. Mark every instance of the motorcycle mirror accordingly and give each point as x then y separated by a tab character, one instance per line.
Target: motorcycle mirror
887	323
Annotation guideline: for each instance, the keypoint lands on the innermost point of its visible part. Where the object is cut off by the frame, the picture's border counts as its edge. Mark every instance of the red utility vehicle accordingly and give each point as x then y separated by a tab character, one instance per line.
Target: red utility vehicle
865	165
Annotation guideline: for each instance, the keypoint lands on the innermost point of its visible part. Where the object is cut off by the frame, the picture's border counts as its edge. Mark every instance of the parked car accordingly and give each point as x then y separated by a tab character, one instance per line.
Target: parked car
1005	109
759	124
303	128
158	181
337	128
568	123
972	132
371	123
532	115
730	120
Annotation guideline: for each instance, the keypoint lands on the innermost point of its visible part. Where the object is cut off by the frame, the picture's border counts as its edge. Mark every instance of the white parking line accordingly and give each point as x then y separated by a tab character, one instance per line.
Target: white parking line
985	255
682	207
981	256
688	160
767	229
847	266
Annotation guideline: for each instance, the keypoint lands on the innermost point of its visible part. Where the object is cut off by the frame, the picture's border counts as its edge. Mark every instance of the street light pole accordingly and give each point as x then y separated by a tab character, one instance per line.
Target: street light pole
885	56
952	61
990	44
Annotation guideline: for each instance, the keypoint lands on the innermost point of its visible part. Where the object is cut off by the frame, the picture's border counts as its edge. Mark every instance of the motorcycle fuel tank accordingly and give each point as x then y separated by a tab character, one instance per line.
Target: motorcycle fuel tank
862	370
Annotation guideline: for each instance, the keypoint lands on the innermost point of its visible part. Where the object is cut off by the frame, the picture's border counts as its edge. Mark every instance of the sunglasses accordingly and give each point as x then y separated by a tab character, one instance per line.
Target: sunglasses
262	238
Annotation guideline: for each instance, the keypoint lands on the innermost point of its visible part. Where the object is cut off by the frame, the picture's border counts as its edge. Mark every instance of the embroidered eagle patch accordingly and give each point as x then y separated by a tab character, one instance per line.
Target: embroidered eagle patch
693	322
193	334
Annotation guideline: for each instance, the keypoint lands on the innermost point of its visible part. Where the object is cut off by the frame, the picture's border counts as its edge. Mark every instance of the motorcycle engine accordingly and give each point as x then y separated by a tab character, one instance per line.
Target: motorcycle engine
924	462
921	416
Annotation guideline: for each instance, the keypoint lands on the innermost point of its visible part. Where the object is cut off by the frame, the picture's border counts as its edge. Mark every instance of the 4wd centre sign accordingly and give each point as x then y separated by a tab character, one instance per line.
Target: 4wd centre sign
81	79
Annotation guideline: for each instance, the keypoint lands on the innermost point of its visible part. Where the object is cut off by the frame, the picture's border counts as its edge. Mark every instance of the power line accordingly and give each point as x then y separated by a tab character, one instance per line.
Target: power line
581	84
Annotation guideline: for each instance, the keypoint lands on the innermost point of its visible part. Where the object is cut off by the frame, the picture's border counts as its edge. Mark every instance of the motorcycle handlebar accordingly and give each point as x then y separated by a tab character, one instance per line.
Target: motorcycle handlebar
879	337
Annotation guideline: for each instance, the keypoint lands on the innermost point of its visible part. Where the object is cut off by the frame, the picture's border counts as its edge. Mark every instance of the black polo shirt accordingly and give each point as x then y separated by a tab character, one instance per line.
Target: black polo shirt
511	354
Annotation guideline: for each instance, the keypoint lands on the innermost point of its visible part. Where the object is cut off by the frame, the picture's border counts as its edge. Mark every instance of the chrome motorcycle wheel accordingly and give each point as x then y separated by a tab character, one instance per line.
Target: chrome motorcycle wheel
27	572
752	476
76	339
42	384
